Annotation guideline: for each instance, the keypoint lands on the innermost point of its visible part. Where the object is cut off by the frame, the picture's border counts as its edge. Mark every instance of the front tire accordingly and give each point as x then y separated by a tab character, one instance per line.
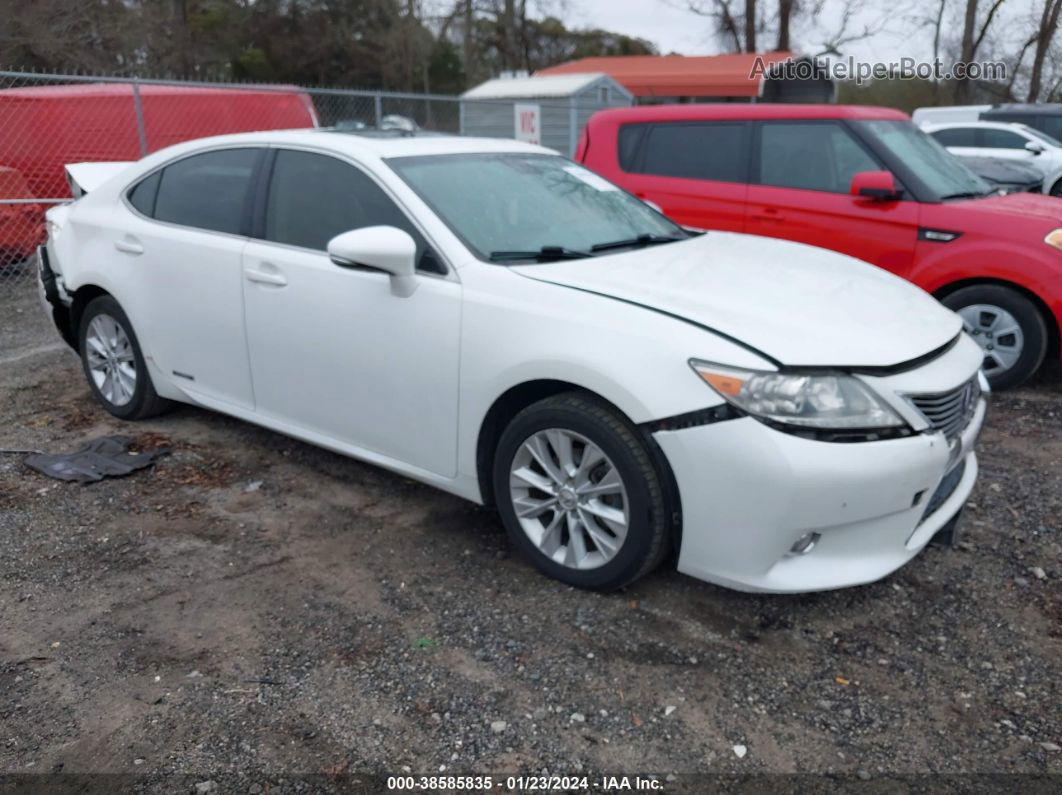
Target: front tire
1008	327
114	364
578	493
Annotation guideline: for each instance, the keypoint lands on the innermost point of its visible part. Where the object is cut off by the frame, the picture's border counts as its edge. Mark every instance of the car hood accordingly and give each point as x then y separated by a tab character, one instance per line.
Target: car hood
1030	206
797	304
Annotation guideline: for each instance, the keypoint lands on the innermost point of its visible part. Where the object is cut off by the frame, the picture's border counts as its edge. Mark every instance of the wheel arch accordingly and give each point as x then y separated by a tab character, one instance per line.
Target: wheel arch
1054	333
515	399
82	297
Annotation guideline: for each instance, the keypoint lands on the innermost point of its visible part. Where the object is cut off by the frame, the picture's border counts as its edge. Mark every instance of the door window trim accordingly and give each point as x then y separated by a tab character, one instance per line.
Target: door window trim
637	162
245	213
756	176
261	200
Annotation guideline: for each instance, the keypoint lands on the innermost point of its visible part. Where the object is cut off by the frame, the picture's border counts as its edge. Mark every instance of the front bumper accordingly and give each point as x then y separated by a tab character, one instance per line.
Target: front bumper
750	492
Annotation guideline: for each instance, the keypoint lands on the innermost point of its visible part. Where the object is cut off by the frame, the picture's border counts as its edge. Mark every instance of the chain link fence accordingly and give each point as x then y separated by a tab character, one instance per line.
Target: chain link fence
49	120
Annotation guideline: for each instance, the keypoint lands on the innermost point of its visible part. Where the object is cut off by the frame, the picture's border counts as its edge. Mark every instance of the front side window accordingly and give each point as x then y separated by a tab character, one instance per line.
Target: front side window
695	150
207	191
937	168
313	197
811	156
516	202
956	136
992	138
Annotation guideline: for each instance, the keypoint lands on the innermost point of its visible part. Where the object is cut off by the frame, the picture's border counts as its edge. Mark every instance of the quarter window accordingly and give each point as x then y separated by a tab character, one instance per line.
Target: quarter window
812	156
142	196
207	191
699	150
313	198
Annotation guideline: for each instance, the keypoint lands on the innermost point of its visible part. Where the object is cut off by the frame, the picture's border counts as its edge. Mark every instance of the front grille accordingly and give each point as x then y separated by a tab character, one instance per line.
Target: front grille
950	412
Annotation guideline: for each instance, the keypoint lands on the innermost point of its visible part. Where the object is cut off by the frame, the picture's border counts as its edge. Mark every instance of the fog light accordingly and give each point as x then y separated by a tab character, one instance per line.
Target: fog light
805	543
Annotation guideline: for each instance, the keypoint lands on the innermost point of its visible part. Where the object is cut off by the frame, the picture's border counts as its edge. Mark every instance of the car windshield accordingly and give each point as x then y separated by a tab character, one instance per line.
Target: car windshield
1041	135
941	171
512	206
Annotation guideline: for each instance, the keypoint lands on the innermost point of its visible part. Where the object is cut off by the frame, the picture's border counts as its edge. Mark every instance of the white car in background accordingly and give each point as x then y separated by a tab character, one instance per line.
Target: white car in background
1004	140
494	320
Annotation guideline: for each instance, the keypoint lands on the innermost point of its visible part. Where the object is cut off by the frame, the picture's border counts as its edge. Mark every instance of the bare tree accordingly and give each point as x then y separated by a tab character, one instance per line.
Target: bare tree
785	16
972	38
1044	35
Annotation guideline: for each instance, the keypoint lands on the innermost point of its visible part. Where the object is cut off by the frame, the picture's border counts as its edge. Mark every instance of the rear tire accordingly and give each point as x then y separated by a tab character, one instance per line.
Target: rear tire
592	508
114	364
1009	328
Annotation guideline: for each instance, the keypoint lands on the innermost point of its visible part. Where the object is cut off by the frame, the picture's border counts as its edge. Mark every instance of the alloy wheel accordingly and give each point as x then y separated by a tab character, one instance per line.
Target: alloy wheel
569	498
111	362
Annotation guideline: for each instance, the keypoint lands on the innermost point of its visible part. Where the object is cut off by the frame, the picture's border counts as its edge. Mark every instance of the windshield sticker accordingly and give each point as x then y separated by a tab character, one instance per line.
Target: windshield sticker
590	178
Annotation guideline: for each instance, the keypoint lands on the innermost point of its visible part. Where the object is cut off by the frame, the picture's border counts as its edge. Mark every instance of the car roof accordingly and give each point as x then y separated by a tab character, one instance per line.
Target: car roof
748	112
1052	108
992	125
350	142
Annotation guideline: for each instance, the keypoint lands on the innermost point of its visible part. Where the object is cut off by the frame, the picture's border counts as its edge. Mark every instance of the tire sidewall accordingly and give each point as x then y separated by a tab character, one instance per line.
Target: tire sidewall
638	544
1033	328
106	305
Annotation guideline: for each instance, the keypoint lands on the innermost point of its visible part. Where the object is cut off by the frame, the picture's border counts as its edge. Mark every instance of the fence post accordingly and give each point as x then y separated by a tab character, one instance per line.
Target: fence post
138	108
377	102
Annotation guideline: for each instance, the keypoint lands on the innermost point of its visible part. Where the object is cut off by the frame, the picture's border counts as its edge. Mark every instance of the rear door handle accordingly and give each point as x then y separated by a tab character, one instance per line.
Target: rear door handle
768	215
128	245
262	277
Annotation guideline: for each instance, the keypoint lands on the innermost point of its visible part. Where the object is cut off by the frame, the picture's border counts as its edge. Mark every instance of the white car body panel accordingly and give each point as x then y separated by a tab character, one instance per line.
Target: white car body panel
1048	162
332	356
864	315
948	114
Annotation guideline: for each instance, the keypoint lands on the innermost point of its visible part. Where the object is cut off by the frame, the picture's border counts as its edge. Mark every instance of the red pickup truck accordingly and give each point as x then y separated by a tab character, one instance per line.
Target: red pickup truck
863	181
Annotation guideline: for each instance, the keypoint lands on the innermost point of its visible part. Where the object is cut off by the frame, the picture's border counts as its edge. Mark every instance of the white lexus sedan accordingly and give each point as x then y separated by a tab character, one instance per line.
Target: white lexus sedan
494	320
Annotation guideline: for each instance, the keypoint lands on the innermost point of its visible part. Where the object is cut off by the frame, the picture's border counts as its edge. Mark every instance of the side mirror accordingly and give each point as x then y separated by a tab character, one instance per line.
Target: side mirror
1034	147
382	248
876	185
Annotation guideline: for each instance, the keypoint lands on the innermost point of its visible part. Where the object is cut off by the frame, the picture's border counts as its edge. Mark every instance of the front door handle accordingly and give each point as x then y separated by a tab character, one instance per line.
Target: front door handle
262	277
129	245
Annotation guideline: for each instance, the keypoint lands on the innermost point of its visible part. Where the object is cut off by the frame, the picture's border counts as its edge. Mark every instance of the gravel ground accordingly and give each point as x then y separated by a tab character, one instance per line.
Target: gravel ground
254	609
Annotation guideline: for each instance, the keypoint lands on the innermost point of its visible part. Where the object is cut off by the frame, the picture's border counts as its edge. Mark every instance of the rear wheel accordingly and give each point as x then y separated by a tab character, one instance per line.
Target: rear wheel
114	364
579	494
1008	327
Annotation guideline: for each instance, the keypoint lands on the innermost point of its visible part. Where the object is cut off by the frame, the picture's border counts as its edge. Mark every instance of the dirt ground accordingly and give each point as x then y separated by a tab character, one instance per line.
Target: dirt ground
253	610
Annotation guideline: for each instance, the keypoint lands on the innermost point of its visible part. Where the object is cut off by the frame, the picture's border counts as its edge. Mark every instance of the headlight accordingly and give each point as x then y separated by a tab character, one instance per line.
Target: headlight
805	400
1054	238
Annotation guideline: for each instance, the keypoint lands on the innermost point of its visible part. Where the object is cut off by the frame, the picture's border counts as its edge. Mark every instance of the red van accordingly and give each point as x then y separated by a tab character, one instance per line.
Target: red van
863	181
42	128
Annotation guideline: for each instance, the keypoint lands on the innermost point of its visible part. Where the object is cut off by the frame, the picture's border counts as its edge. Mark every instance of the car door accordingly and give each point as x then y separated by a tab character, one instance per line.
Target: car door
696	172
333	350
1007	144
184	239
801	192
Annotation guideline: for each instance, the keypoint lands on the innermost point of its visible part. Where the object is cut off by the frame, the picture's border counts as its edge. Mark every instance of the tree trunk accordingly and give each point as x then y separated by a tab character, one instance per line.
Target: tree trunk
750	25
966	53
785	13
1046	33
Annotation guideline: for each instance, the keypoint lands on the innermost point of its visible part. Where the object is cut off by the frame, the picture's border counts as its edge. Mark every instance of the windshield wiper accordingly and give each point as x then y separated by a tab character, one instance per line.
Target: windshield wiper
969	194
544	254
639	241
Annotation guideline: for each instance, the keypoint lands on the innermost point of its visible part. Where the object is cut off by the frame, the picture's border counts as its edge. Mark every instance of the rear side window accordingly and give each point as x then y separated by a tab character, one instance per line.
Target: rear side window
207	191
1052	125
697	150
1001	139
956	136
314	197
142	196
811	156
628	144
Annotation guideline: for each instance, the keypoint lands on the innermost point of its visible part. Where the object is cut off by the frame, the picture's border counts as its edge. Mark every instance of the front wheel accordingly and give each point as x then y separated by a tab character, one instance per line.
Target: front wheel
578	493
1008	327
